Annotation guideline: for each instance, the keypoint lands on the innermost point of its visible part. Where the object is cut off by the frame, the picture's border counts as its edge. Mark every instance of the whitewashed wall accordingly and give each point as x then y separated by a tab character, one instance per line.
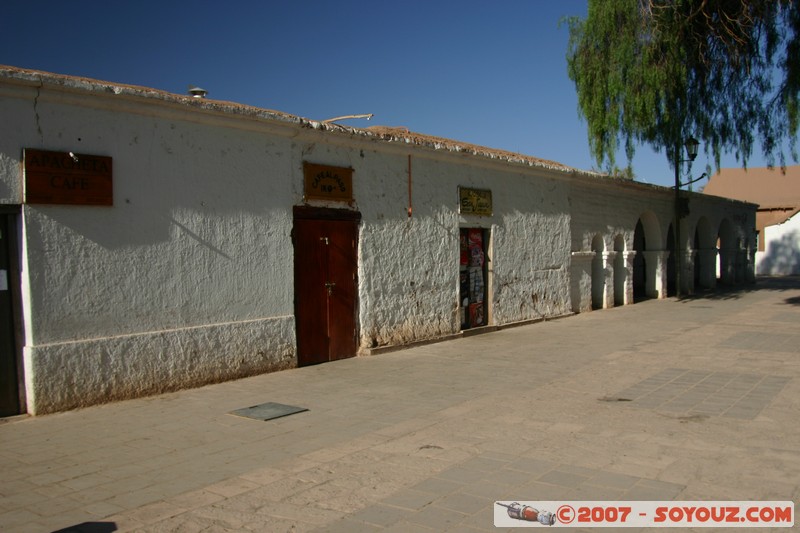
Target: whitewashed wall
409	265
188	278
781	256
185	280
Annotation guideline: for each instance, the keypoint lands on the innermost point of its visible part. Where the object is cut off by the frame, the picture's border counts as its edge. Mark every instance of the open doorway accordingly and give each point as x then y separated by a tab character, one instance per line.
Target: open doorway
473	276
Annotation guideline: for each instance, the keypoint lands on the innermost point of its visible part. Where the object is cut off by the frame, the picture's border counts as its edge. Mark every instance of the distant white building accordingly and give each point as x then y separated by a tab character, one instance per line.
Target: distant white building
777	194
153	241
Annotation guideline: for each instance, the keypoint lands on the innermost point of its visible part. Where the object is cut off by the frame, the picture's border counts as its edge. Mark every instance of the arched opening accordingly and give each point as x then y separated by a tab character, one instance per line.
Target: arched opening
639	267
672	285
647	243
598	273
698	259
705	255
727	246
620	273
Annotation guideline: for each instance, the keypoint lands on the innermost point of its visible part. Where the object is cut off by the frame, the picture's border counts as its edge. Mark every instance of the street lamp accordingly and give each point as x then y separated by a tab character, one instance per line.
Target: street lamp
691	145
681	208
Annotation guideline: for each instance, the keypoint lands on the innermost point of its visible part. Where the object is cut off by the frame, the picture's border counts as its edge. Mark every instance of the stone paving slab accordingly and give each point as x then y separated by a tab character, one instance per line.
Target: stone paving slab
691	393
428	438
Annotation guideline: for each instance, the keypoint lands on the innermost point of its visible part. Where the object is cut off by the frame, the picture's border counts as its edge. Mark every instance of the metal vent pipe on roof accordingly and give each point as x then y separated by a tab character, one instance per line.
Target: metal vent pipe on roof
197	92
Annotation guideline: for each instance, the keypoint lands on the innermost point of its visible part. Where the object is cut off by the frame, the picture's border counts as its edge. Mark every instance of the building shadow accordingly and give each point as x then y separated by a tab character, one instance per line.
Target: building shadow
794	300
90	527
763	283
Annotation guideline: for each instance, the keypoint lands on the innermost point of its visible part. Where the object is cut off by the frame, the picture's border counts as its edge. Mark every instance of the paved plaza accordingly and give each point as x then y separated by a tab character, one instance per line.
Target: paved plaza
693	399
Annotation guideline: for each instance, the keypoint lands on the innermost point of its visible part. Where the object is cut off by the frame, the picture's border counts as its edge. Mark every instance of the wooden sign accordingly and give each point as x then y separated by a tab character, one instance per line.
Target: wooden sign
475	201
324	182
67	178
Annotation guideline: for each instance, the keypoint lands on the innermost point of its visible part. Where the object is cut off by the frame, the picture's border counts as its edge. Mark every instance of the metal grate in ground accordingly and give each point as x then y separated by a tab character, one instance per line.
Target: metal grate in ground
268	411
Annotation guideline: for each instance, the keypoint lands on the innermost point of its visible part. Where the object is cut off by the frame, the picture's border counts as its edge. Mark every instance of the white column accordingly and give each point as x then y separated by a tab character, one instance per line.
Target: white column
608	268
708	267
628	257
727	268
687	279
656	273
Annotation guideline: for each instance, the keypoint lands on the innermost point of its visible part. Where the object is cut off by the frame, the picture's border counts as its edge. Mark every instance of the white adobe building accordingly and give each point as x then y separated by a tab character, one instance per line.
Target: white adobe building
154	241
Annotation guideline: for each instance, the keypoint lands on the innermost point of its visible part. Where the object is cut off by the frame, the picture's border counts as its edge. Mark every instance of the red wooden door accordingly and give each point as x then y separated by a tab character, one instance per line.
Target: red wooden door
325	289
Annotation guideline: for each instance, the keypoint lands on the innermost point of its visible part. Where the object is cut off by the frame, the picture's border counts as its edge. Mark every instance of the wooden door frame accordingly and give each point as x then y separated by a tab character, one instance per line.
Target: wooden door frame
12	214
308	212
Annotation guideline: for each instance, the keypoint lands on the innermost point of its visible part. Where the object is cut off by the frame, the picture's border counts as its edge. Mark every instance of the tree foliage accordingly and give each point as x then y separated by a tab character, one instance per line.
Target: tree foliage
657	71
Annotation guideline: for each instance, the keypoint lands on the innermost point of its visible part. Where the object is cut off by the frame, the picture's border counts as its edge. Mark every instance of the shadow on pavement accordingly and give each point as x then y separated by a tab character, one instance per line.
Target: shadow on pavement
794	300
763	283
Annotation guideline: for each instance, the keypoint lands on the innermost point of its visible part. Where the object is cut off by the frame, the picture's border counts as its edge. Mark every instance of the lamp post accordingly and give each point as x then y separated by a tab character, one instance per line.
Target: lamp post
691	145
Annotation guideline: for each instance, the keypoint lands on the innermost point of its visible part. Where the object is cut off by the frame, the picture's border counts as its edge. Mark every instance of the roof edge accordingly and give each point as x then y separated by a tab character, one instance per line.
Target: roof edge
38	78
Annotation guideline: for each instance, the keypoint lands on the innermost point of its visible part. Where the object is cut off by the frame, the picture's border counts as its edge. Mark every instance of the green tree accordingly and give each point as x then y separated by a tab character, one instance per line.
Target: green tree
656	71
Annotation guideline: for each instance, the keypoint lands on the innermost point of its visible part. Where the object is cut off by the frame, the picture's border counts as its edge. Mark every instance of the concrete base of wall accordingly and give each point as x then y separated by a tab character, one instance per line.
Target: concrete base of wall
69	375
461	334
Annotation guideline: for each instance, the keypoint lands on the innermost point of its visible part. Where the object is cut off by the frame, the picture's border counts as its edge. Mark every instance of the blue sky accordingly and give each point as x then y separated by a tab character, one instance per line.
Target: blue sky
489	73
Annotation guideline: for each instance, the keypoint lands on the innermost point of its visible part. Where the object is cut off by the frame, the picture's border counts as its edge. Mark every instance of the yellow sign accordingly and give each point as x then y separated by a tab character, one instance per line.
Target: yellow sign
324	182
475	202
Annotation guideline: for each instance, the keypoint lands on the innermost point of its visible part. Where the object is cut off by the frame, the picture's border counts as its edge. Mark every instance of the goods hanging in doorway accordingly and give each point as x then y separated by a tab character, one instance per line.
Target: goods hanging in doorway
472	271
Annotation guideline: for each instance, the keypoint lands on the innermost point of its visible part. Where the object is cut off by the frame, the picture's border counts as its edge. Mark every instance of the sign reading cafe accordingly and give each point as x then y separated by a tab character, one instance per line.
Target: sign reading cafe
324	182
67	178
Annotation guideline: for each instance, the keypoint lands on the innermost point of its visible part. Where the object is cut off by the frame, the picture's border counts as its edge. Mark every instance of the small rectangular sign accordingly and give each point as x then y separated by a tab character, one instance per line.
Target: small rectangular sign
324	182
475	201
67	178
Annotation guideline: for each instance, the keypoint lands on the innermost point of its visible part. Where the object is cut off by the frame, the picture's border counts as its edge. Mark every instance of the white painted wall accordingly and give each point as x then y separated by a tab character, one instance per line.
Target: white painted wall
409	265
188	278
781	256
